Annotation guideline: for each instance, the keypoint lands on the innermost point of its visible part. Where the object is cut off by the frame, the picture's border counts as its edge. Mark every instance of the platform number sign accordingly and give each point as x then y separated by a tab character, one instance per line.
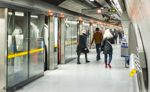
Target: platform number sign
99	11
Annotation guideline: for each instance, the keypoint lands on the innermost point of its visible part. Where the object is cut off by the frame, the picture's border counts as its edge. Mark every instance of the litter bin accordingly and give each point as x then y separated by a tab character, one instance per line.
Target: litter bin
124	51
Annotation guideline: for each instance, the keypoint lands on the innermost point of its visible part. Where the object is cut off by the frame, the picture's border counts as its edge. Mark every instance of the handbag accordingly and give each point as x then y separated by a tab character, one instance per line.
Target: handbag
102	48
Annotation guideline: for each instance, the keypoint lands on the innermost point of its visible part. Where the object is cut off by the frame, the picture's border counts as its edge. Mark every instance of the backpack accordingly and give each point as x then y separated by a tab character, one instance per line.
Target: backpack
115	34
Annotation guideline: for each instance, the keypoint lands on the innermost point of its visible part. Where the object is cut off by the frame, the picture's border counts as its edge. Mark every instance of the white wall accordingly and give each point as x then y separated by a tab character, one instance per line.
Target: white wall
139	13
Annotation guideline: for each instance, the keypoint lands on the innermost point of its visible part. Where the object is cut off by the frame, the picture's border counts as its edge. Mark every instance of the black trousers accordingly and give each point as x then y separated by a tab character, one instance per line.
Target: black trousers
79	57
115	40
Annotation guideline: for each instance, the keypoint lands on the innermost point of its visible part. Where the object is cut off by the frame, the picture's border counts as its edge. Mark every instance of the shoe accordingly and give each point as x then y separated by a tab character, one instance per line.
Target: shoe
109	65
105	66
98	59
78	63
87	61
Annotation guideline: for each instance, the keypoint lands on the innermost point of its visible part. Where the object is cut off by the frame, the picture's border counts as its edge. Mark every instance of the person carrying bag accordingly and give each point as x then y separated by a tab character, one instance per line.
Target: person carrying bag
107	47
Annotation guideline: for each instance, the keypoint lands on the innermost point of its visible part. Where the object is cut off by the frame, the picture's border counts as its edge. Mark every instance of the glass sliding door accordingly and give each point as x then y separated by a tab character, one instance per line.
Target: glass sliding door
36	45
25	48
17	47
74	38
67	39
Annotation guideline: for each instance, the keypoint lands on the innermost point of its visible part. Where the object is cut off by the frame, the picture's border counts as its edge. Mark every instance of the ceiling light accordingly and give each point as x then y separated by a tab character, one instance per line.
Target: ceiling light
92	0
34	16
19	14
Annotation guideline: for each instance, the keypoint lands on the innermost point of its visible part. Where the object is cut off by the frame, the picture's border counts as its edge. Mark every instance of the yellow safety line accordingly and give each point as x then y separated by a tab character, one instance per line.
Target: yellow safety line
12	55
132	72
23	53
36	50
55	45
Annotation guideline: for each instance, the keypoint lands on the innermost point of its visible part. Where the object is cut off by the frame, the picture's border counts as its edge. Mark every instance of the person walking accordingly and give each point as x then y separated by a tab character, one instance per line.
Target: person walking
82	48
98	37
112	40
115	36
107	47
120	36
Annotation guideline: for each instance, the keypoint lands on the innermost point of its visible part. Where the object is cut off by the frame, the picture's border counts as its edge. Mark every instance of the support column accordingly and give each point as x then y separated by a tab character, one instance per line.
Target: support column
91	34
80	27
62	45
3	50
50	58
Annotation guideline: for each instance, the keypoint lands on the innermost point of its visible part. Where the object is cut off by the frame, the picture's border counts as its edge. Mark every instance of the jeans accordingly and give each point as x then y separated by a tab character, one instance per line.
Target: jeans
120	39
79	57
110	58
97	50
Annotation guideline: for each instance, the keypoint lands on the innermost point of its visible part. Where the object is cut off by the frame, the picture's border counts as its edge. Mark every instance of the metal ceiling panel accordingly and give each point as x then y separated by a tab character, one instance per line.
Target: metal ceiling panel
72	5
54	2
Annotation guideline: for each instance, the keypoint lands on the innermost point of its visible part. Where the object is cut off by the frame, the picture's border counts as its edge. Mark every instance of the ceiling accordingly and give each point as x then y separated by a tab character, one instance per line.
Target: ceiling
78	5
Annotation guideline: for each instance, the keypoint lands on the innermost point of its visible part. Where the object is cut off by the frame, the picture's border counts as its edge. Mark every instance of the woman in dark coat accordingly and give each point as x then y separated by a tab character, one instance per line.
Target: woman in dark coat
82	48
107	47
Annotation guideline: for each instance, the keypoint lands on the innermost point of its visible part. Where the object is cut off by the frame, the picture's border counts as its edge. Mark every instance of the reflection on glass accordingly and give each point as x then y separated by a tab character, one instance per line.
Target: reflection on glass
17	31
67	40
74	39
36	42
19	42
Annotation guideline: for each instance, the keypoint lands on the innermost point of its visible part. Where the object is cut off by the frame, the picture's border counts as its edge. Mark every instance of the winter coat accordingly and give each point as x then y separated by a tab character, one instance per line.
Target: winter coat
107	48
98	37
82	45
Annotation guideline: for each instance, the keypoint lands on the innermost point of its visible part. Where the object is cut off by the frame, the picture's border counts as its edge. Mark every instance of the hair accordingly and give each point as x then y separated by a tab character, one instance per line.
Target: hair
107	34
83	31
97	29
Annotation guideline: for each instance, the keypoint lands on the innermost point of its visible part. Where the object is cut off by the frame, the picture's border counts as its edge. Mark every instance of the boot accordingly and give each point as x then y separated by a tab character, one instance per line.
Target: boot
87	61
78	62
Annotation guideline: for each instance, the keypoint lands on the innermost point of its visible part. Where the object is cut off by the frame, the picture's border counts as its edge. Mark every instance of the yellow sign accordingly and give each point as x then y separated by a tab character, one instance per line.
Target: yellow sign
132	72
113	10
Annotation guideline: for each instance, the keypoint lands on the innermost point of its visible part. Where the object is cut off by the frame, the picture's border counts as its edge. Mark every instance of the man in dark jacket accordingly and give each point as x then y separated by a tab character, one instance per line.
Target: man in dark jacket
113	39
98	37
82	48
115	35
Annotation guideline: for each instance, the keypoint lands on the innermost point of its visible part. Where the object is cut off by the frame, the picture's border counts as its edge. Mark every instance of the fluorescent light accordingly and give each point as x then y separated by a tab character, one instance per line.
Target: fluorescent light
34	16
86	24
9	13
72	22
19	14
92	0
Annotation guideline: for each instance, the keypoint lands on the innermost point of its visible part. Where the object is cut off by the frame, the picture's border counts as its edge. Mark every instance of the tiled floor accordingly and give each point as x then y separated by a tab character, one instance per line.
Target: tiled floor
91	77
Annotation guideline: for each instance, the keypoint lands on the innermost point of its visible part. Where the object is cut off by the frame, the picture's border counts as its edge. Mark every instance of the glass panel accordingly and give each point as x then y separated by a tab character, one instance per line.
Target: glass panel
17	47
67	39
74	38
55	42
36	44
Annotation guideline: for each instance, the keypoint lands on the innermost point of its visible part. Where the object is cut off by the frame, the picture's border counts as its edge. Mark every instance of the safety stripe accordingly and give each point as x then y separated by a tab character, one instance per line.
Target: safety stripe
23	53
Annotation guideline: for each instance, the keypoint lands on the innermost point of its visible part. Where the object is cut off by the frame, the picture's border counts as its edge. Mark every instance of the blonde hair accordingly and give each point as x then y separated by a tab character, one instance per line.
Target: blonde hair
107	34
83	31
